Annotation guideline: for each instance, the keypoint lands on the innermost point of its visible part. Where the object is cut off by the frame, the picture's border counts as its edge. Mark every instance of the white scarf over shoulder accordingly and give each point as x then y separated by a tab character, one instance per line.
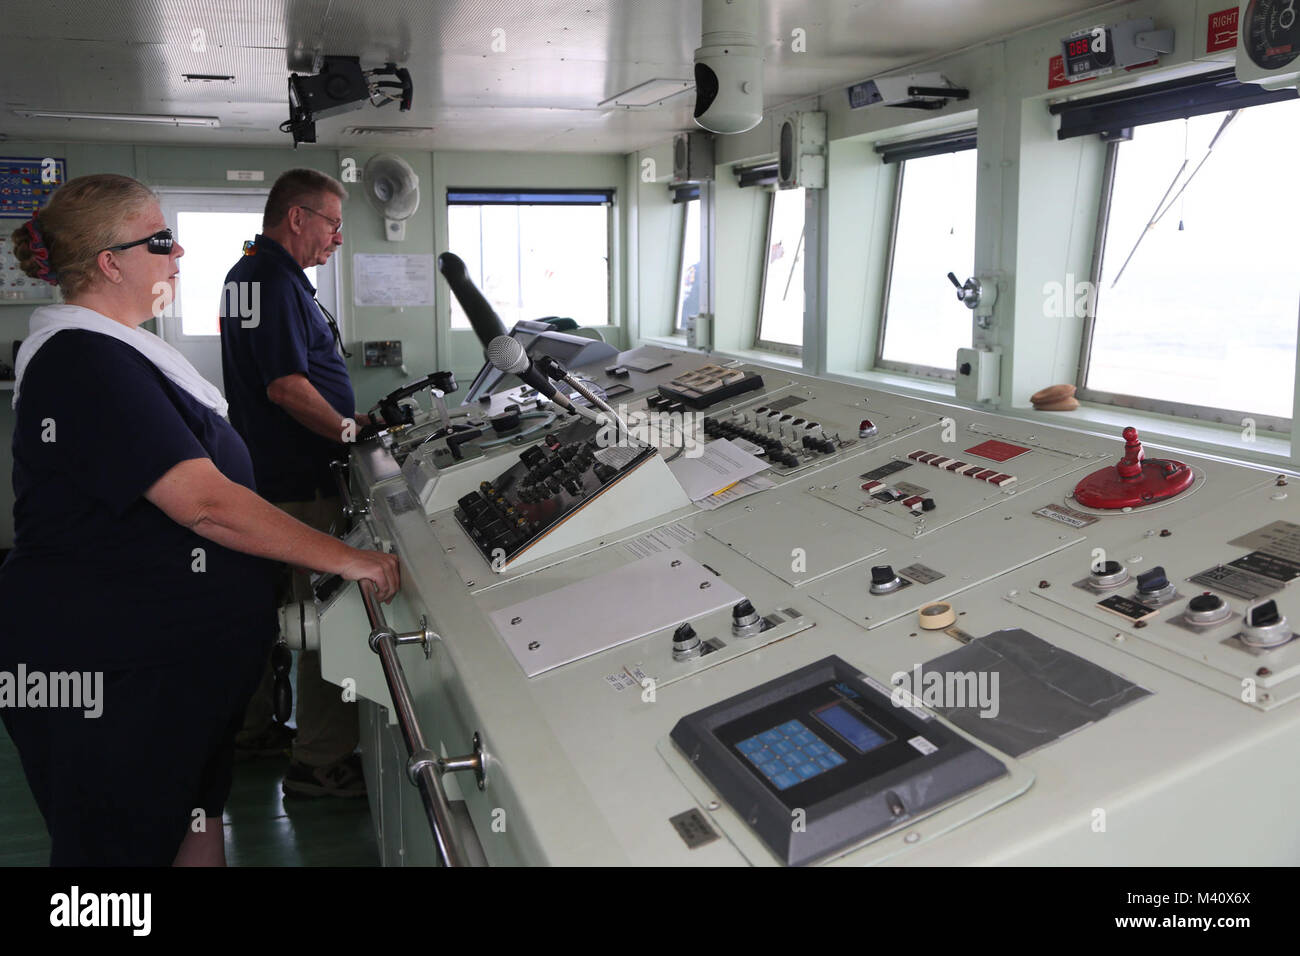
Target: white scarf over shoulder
50	319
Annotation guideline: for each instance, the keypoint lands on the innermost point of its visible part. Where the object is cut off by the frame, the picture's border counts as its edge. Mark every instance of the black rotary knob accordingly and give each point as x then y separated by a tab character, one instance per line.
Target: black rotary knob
884	580
1207	608
1110	574
1154	583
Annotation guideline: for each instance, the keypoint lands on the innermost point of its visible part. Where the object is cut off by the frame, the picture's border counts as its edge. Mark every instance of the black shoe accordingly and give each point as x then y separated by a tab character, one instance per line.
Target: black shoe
275	741
341	779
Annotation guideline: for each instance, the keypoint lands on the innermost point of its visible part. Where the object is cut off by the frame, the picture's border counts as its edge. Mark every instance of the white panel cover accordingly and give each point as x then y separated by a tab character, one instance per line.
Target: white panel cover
609	609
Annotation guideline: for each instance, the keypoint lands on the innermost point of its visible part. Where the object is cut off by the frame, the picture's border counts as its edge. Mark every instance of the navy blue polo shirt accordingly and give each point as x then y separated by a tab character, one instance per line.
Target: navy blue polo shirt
100	577
287	335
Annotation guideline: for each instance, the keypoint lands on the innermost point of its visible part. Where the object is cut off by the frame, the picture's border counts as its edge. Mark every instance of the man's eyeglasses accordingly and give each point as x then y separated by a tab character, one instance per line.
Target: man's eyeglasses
160	243
336	223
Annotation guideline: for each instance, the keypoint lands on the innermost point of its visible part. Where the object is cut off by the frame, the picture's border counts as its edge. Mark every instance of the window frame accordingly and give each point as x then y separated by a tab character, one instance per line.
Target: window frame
609	205
919	371
234	199
1186	410
761	344
674	330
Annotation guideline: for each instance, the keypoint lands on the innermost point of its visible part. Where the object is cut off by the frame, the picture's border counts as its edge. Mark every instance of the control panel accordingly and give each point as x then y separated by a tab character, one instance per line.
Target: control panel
827	746
546	486
731	670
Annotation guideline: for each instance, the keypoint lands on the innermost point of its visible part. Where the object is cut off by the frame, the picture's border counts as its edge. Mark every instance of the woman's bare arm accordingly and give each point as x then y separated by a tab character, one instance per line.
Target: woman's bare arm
195	494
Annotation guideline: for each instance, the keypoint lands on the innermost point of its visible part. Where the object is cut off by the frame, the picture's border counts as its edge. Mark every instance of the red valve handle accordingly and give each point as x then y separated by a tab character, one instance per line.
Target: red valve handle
1130	466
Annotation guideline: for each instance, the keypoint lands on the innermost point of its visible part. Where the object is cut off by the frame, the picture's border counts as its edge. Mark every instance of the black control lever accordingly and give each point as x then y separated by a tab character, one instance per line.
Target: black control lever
394	413
487	325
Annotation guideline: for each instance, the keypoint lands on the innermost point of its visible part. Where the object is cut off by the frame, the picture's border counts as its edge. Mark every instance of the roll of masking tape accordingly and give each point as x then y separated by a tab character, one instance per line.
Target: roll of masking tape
935	617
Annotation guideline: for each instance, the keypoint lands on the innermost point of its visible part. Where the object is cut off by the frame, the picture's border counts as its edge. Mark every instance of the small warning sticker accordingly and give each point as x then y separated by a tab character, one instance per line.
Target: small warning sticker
693	827
1126	607
997	450
620	681
923	745
920	573
1075	519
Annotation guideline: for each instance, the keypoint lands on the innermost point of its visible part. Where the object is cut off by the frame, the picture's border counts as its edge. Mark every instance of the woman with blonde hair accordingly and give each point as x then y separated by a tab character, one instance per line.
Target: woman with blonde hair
143	558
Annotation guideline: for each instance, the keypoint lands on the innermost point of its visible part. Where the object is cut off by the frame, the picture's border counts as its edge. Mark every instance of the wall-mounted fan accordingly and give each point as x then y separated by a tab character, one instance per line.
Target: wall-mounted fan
394	190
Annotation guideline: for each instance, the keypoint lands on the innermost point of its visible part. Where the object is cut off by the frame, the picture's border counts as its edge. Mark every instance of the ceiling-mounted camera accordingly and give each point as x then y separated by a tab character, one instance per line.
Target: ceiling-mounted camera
729	68
341	85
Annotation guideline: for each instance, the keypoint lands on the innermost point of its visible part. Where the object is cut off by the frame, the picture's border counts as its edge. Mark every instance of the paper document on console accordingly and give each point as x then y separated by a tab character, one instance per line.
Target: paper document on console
748	486
721	465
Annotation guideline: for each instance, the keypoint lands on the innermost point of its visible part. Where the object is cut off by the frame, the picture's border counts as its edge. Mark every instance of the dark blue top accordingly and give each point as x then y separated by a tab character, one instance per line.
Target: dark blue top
285	333
99	577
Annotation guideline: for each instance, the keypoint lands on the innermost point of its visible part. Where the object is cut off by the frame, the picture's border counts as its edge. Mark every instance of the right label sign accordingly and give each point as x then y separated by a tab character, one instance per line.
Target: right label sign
1221	32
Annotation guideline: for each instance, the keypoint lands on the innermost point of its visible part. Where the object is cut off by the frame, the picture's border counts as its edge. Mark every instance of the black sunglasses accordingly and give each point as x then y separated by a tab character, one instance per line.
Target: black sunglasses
160	243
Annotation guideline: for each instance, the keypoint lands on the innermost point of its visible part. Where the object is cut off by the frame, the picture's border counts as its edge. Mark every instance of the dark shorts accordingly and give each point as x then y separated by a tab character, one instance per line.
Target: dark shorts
123	789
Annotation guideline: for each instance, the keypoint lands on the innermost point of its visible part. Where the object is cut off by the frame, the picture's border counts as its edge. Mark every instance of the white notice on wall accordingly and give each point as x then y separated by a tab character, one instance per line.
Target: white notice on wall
392	280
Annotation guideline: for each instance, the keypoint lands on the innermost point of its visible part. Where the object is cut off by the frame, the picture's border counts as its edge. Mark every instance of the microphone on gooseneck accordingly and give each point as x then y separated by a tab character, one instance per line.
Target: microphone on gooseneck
507	355
483	319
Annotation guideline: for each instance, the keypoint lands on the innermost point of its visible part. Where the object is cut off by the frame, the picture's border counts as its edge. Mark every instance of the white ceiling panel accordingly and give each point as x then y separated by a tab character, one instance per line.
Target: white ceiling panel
540	91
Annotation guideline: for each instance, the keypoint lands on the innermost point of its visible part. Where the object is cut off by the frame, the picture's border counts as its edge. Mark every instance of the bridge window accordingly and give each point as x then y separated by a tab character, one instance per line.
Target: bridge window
780	317
689	274
1192	305
933	233
534	253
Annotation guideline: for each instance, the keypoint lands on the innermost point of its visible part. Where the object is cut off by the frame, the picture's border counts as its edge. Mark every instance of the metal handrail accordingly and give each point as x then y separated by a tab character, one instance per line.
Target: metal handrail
423	766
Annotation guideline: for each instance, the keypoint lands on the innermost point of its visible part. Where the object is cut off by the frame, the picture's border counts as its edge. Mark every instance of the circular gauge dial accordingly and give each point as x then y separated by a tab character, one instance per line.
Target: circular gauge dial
1271	32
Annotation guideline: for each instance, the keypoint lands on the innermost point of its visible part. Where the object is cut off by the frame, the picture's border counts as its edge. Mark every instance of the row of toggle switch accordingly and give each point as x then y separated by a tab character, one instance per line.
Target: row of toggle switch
803	431
773	447
978	472
917	504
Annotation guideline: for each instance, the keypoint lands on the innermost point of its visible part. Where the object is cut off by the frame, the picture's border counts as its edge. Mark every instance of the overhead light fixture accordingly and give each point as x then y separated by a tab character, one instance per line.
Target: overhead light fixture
647	94
408	131
156	119
207	78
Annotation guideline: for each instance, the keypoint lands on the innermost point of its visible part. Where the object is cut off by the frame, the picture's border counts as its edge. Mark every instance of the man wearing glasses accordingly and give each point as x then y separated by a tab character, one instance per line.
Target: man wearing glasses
292	401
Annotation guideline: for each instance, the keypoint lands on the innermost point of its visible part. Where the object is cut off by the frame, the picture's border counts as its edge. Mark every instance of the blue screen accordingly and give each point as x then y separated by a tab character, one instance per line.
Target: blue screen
857	732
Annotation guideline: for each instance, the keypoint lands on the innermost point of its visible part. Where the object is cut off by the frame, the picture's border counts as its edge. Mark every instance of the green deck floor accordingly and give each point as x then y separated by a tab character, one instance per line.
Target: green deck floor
262	827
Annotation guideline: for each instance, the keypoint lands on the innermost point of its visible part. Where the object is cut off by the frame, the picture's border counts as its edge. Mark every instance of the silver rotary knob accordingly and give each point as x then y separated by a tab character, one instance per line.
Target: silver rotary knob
745	621
1110	574
686	643
1265	625
1206	609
